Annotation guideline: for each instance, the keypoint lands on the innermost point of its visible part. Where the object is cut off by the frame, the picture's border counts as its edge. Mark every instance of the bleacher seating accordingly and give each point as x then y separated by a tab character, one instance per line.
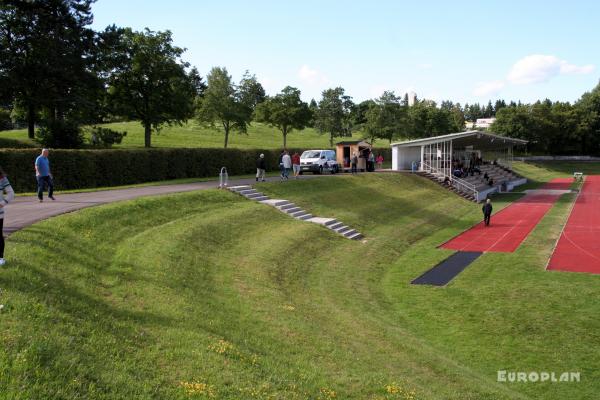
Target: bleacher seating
497	173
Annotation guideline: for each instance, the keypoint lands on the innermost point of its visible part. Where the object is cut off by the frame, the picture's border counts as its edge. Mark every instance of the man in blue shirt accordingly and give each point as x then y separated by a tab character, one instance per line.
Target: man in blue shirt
43	175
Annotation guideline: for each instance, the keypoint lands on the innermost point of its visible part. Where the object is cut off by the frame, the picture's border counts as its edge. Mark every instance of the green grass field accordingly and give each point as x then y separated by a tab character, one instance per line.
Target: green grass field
208	295
192	134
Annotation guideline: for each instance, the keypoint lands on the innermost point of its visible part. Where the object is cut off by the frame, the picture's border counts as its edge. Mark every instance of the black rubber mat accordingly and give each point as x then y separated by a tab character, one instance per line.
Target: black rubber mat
445	271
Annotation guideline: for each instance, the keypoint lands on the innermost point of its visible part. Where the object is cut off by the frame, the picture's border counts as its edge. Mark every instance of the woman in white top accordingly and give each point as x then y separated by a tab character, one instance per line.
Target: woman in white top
287	164
7	194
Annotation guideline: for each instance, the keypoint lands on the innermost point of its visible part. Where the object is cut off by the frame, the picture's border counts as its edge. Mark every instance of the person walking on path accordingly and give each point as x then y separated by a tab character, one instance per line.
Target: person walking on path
287	165
354	163
296	164
6	196
379	160
487	212
261	168
280	161
43	175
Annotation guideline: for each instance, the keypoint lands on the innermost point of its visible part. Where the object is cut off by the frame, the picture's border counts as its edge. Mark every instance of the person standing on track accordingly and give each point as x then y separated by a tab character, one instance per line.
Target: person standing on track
487	212
43	175
6	196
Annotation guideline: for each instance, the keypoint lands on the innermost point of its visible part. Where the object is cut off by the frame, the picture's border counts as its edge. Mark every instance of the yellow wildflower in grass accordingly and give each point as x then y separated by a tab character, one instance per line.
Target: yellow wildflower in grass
289	307
221	347
198	388
325	393
399	392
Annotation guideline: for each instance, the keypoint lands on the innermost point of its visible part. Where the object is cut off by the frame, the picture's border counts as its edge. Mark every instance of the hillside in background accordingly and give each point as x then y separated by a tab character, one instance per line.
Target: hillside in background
259	136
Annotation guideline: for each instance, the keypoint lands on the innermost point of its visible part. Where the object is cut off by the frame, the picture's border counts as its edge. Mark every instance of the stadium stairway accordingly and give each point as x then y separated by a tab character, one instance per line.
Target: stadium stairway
289	208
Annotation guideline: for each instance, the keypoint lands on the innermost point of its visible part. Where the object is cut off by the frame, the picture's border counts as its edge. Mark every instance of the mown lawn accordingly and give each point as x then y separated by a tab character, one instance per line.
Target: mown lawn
192	134
208	295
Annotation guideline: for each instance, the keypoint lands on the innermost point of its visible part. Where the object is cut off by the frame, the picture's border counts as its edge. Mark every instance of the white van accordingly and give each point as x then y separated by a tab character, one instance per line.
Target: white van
317	161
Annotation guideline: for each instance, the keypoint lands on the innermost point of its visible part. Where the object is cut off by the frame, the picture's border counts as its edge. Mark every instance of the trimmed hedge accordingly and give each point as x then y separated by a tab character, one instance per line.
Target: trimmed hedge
79	169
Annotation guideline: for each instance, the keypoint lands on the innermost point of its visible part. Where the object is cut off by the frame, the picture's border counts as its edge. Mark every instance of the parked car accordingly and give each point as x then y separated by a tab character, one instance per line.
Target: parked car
317	161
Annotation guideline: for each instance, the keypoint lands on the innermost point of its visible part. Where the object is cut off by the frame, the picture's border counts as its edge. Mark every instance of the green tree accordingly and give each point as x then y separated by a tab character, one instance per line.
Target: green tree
251	91
386	118
332	114
223	105
286	111
45	58
313	107
152	85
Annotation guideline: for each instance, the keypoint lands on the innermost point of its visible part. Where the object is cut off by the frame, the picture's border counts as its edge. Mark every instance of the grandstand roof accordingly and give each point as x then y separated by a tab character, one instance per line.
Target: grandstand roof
480	139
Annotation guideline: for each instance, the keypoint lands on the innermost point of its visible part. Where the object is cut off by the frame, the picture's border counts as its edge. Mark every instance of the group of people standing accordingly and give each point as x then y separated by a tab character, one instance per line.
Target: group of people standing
286	163
370	161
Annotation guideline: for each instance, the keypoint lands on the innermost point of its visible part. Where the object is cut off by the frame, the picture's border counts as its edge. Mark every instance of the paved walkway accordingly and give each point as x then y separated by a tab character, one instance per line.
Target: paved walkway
27	210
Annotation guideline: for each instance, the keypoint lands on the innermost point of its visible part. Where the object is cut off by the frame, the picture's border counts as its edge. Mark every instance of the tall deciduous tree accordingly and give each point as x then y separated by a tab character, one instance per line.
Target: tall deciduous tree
286	111
223	105
332	116
152	85
251	92
386	118
47	49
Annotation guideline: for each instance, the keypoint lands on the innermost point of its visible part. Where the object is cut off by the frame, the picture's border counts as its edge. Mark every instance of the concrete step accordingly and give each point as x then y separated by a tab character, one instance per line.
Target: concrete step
275	202
252	195
356	236
237	189
247	191
304	217
350	232
298	213
292	210
286	206
260	198
335	225
342	229
330	222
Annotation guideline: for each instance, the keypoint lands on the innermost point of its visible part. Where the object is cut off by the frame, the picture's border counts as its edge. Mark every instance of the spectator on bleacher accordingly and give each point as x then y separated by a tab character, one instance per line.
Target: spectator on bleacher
491	182
486	177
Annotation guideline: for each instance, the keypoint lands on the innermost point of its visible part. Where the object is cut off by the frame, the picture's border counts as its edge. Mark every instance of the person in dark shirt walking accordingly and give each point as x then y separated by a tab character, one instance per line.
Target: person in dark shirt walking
487	212
261	167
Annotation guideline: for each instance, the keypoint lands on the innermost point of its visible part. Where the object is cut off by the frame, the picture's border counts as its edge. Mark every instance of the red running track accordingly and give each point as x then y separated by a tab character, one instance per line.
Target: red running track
510	226
578	248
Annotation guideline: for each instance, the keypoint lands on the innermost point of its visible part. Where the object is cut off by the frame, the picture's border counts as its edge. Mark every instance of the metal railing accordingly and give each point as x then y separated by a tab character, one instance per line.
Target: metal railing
457	183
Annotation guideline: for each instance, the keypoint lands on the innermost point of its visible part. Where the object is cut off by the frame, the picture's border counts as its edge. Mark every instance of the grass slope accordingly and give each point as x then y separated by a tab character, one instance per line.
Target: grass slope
208	295
259	136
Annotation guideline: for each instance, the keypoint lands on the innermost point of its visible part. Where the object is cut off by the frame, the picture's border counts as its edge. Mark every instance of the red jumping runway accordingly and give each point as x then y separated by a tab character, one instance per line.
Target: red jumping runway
510	226
578	248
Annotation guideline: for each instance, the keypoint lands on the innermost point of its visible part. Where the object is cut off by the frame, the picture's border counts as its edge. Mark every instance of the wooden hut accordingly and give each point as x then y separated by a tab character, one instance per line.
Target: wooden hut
345	150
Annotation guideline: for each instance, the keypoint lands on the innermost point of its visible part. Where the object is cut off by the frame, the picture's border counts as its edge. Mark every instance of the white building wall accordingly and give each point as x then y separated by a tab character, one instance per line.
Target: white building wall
403	157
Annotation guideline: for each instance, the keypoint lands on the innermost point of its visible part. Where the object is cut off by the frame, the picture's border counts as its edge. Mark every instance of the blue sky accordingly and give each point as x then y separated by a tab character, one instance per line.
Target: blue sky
465	51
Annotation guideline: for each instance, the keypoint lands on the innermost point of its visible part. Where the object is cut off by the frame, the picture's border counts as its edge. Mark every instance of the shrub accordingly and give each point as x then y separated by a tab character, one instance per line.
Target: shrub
106	137
60	134
77	169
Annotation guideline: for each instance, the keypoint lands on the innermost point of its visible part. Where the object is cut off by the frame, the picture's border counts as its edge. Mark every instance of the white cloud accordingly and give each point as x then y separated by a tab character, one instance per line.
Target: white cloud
541	68
488	88
312	76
